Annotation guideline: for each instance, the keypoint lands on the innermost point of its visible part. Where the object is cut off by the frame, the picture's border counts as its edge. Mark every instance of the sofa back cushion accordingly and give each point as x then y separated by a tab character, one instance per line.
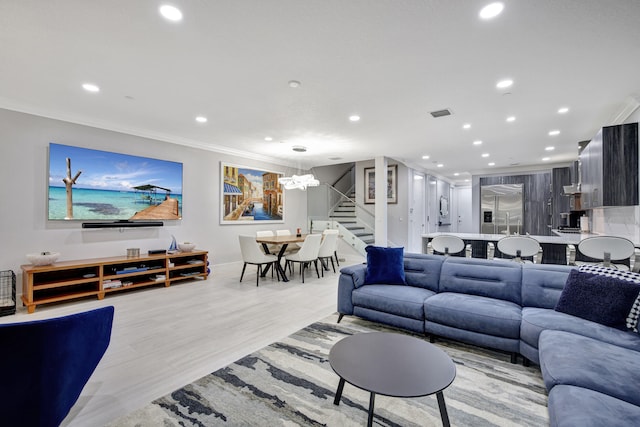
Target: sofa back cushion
487	278
422	271
542	284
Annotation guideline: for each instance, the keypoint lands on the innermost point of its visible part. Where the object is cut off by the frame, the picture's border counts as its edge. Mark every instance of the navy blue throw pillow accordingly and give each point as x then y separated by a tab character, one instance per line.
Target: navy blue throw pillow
384	266
601	299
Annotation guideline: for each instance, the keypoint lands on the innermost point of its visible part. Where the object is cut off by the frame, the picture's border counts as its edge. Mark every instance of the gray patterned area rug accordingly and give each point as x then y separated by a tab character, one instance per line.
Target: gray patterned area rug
290	383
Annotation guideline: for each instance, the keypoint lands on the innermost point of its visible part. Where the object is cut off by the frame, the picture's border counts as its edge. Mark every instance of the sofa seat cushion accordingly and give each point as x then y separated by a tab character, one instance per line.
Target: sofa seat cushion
571	406
571	359
475	313
536	320
405	301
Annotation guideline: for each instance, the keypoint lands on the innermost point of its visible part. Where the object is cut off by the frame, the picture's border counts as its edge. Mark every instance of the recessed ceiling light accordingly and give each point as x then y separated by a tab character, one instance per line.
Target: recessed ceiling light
563	110
477	142
491	164
456	174
544	159
268	138
201	119
425	157
554	132
354	118
90	87
466	126
171	13
503	84
299	148
466	180
294	83
491	10
418	177
511	118
485	154
549	148
439	165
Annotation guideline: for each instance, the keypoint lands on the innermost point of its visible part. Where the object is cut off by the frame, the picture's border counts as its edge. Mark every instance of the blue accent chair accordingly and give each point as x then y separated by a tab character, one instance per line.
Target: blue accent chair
46	364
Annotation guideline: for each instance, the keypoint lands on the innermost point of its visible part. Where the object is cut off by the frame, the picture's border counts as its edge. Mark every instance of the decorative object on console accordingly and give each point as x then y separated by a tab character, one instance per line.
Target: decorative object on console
173	247
384	265
133	252
603	299
43	258
186	246
250	195
112	186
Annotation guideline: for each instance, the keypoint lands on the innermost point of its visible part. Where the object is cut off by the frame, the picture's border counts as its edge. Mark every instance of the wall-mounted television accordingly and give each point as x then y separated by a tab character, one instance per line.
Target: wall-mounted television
94	185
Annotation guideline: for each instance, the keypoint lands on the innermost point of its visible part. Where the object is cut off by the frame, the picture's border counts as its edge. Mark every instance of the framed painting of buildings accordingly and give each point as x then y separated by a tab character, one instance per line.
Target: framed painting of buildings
370	184
250	195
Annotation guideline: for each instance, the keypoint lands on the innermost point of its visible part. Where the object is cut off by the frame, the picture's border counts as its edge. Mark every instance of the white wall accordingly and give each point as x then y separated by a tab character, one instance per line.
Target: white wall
24	227
397	223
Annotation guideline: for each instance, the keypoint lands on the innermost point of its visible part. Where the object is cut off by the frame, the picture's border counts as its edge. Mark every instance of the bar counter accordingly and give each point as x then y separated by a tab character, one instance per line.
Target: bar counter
553	247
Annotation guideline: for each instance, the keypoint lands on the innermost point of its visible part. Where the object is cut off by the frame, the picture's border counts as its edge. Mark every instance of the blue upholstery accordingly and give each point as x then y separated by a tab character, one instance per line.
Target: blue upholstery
595	409
473	313
390	319
47	364
591	370
384	265
536	320
486	278
406	301
423	271
542	284
591	364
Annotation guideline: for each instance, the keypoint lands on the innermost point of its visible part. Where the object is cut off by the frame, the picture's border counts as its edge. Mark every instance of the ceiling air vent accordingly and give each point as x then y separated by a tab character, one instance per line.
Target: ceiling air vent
441	113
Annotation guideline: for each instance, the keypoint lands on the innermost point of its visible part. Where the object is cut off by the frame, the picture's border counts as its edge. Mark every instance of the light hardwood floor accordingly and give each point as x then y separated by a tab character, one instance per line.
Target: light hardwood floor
165	338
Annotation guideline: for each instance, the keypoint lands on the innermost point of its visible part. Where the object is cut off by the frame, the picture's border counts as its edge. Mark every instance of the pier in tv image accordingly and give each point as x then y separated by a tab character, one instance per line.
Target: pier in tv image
87	184
250	195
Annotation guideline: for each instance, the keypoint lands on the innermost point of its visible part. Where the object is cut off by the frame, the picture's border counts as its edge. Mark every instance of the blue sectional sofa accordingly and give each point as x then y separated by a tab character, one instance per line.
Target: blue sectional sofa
588	368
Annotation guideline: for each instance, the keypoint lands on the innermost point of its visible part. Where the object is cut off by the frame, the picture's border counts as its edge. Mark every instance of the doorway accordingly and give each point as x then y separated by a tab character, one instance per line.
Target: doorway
416	212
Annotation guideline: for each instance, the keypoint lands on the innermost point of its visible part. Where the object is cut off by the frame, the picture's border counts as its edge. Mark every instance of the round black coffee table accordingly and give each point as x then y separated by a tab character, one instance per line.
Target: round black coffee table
392	365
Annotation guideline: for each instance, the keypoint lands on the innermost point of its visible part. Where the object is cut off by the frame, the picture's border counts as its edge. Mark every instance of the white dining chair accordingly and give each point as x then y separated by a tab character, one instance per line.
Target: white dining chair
273	249
290	248
447	244
605	250
251	254
327	251
335	249
307	254
517	247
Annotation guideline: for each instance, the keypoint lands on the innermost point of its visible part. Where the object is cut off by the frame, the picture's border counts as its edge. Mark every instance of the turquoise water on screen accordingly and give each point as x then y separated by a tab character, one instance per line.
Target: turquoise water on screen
91	204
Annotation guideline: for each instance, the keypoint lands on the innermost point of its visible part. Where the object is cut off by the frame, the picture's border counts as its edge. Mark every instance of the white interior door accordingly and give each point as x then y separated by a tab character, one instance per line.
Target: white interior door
463	211
417	213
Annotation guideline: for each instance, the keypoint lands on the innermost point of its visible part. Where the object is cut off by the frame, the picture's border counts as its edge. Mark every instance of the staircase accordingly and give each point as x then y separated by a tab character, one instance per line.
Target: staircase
345	215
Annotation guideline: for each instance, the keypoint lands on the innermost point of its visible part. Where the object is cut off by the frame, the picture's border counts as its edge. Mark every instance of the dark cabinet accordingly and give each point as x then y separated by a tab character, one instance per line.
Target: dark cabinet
610	168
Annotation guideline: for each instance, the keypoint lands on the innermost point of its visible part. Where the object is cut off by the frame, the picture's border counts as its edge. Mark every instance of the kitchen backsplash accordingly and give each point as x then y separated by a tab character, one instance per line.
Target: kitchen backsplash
621	221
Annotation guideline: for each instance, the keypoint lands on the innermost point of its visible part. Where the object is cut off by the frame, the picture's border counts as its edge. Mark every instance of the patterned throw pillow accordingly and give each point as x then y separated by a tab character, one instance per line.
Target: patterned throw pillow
634	314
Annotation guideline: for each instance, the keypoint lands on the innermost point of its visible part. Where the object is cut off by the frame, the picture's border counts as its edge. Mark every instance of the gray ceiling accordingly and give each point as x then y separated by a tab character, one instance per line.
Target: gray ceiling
389	61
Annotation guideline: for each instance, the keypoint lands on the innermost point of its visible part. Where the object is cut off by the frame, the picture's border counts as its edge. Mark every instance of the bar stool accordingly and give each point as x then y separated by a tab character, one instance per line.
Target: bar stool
606	249
517	247
447	244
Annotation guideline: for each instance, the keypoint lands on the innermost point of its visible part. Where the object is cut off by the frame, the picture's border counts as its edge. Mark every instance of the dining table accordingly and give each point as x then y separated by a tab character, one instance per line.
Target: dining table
283	242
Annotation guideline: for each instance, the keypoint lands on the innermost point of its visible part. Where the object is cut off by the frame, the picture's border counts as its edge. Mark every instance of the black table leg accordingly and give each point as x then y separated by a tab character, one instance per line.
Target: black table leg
372	399
336	401
279	268
443	409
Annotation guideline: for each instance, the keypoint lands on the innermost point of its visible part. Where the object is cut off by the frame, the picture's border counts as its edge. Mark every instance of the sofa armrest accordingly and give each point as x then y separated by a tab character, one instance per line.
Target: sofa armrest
468	251
351	278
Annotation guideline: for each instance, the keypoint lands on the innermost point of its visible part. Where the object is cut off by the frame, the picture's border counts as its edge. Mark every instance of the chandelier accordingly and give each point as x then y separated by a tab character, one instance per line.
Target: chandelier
301	182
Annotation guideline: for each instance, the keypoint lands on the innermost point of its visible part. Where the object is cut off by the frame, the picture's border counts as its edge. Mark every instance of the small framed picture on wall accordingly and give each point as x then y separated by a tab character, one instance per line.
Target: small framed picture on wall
370	184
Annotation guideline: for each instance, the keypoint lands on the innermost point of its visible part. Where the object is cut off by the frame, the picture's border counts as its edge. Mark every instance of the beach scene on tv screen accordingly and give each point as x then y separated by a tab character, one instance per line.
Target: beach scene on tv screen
87	184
